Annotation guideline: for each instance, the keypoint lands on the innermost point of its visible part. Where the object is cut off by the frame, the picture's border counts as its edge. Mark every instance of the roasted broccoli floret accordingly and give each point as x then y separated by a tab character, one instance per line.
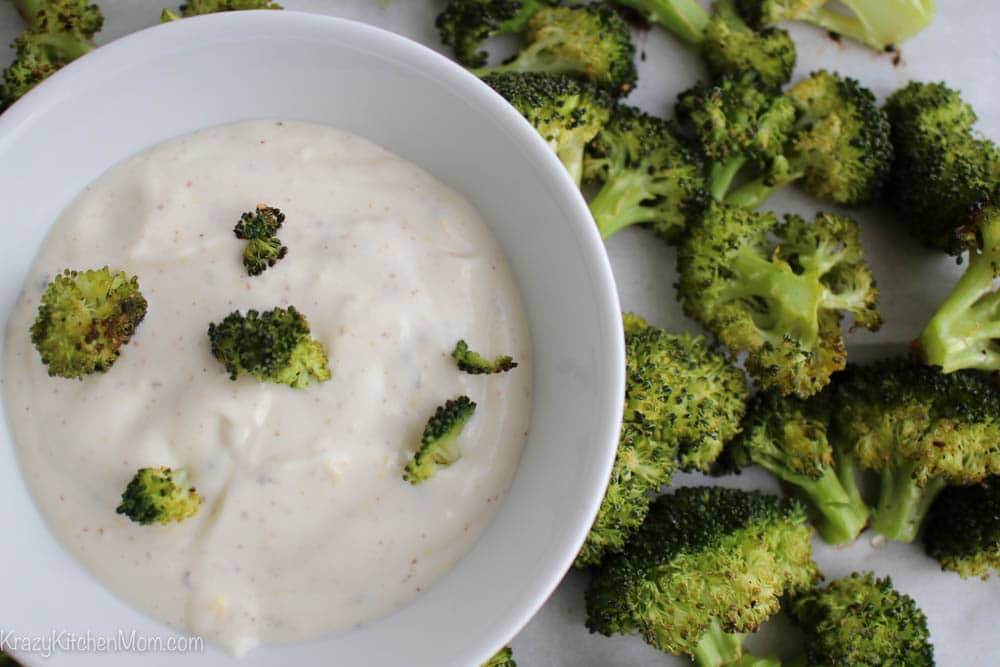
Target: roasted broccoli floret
84	319
568	113
739	121
648	174
727	43
683	401
879	24
777	291
962	530
943	168
475	364
465	25
259	228
862	621
503	658
196	7
439	442
708	566
789	437
159	495
58	32
920	430
273	346
591	41
840	150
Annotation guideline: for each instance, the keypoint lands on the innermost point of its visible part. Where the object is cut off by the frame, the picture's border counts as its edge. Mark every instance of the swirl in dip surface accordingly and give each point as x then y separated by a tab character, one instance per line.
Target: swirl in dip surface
307	526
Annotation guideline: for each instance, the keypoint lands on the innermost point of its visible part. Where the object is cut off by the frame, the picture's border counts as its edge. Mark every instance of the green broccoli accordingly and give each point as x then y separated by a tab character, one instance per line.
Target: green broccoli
84	319
789	437
475	364
777	291
196	7
708	566
726	42
465	25
159	495
683	401
920	430
862	621
840	150
879	24
274	346
503	658
439	442
943	168
568	113
58	32
591	41
962	529
648	174
259	229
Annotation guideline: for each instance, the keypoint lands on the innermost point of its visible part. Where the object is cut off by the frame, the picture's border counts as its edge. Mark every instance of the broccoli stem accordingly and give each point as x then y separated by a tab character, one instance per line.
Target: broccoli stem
539	56
619	203
28	9
718	648
840	517
755	192
63	45
571	155
962	332
684	18
794	294
903	504
721	176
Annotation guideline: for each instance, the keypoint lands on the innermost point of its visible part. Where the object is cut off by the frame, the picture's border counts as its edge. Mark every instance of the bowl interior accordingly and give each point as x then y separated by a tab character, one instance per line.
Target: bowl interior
196	73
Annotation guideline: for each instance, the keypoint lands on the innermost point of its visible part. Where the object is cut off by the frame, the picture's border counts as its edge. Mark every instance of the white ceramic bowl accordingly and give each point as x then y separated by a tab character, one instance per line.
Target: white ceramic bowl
196	73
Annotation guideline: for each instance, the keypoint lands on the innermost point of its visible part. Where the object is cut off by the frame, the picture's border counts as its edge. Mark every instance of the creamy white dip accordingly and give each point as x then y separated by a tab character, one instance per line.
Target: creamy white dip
307	526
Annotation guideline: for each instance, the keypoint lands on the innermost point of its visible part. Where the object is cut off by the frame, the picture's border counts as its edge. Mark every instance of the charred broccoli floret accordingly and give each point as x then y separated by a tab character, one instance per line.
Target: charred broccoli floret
683	401
58	32
159	495
879	24
84	319
591	41
708	566
648	174
840	150
439	442
920	430
567	112
777	291
503	658
465	25
863	622
259	229
196	7
274	346
475	364
962	530
944	169
789	437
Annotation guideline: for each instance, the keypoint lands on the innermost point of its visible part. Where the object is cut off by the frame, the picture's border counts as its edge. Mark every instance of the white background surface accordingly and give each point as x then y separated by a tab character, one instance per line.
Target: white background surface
962	48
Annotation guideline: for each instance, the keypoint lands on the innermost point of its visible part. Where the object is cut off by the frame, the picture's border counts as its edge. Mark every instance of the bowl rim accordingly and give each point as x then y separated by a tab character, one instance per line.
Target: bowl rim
59	88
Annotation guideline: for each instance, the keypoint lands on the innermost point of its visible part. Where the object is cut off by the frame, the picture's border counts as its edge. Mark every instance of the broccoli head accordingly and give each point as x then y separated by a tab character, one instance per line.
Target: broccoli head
789	437
708	566
879	24
439	442
730	46
84	319
159	495
566	112
920	430
259	228
196	7
840	150
503	658
944	169
863	622
465	25
777	291
590	41
475	364
962	530
648	174
274	346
